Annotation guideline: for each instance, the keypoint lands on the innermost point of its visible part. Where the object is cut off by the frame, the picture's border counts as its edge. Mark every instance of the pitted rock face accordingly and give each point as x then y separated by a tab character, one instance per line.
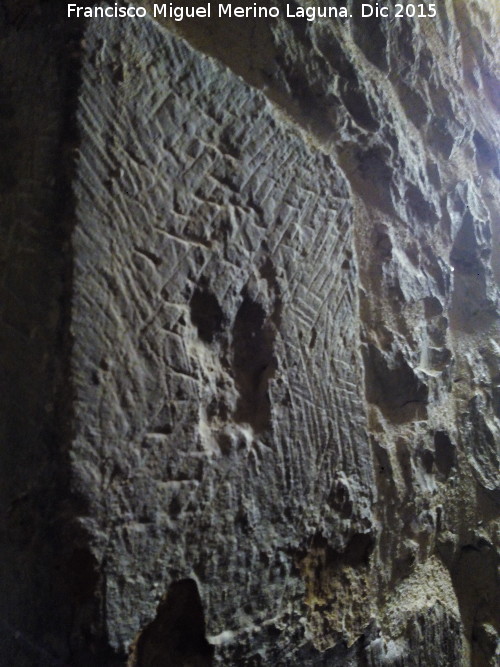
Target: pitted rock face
269	435
223	246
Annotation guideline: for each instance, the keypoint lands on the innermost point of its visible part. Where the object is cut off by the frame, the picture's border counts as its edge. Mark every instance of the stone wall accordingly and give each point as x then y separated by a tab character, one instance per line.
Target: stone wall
252	340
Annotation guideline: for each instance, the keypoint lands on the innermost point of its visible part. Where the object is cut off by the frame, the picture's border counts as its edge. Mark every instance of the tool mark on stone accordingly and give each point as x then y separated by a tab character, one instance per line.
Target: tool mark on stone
185	239
150	256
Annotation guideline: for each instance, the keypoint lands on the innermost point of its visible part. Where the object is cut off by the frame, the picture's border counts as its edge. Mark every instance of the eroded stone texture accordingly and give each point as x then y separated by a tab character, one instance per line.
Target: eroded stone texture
285	343
215	289
226	367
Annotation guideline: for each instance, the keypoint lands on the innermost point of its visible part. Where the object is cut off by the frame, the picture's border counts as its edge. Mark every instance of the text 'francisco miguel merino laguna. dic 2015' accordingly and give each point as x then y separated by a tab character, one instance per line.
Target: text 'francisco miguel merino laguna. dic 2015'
219	10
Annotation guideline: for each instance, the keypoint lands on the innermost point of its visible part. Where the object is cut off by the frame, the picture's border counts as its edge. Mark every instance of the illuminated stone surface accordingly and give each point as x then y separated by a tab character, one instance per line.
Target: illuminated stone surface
274	421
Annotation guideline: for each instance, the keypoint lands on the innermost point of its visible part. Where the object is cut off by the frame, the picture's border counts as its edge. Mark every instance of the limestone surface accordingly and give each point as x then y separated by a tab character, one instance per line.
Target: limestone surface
254	385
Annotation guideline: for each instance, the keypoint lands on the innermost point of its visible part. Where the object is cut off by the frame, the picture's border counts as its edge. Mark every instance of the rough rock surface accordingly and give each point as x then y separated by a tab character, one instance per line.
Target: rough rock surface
251	341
